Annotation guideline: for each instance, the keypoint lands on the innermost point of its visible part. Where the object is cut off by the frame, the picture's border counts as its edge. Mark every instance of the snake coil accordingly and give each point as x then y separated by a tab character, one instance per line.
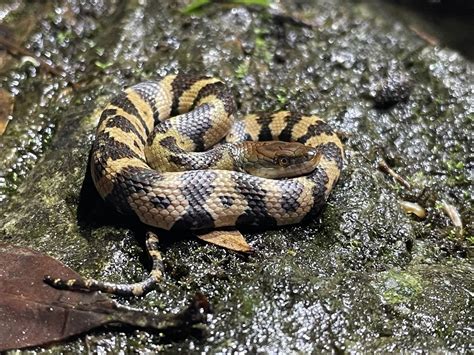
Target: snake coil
158	120
201	199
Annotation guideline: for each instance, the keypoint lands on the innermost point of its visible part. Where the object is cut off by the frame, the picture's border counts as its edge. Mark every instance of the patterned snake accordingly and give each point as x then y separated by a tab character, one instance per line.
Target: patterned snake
152	148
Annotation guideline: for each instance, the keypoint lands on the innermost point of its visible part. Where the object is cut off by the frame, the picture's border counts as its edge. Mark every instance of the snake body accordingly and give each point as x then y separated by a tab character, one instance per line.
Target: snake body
197	112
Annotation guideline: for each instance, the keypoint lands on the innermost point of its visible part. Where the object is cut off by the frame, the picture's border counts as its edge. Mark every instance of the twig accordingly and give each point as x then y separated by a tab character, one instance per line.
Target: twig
383	166
424	36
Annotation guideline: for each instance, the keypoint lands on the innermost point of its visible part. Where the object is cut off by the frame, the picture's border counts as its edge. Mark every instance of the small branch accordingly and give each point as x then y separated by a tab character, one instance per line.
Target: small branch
424	36
383	166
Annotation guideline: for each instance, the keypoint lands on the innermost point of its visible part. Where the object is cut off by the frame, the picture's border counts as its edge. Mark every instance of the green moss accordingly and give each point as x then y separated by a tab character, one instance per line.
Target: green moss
242	69
291	252
418	179
282	97
400	287
103	65
194	6
248	303
64	36
261	47
252	2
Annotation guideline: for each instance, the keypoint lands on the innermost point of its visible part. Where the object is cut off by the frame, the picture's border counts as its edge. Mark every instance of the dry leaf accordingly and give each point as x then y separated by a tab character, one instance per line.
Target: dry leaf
233	240
33	313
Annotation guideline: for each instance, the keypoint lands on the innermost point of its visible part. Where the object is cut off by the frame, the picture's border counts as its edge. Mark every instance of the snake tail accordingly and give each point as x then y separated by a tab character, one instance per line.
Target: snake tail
137	289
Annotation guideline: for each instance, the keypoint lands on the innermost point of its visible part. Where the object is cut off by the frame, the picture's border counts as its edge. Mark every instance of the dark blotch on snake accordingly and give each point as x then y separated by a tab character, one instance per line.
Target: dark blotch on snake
316	129
291	120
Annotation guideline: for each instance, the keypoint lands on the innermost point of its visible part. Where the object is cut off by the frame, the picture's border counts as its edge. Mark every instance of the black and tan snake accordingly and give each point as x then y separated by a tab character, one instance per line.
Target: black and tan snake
140	160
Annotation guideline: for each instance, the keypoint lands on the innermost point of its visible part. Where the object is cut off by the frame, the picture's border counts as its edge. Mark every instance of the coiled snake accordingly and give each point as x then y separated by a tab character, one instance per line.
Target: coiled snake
158	123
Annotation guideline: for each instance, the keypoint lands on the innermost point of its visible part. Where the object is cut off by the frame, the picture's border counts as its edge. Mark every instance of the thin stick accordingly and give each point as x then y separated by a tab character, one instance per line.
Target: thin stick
383	166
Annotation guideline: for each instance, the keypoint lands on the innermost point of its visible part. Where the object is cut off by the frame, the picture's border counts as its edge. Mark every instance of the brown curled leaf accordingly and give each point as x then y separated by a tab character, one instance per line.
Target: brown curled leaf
33	313
233	240
413	208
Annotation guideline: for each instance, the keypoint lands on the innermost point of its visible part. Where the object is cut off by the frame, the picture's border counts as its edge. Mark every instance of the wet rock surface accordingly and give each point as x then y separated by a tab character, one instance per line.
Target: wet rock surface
364	276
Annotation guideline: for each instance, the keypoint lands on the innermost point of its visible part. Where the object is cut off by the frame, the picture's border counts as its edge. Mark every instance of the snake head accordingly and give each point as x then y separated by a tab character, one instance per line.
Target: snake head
276	159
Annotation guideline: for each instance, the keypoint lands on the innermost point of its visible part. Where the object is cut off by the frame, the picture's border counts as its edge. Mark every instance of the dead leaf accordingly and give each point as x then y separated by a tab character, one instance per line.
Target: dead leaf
33	313
6	109
454	215
232	239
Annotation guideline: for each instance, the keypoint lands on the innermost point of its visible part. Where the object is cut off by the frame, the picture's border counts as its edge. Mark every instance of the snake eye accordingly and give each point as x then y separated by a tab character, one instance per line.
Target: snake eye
284	161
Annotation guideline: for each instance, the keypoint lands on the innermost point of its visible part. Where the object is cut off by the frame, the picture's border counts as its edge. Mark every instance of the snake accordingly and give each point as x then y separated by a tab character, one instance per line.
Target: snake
171	153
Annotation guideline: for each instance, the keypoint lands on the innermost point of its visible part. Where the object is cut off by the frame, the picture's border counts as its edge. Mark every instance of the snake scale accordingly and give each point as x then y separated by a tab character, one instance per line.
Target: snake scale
156	123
